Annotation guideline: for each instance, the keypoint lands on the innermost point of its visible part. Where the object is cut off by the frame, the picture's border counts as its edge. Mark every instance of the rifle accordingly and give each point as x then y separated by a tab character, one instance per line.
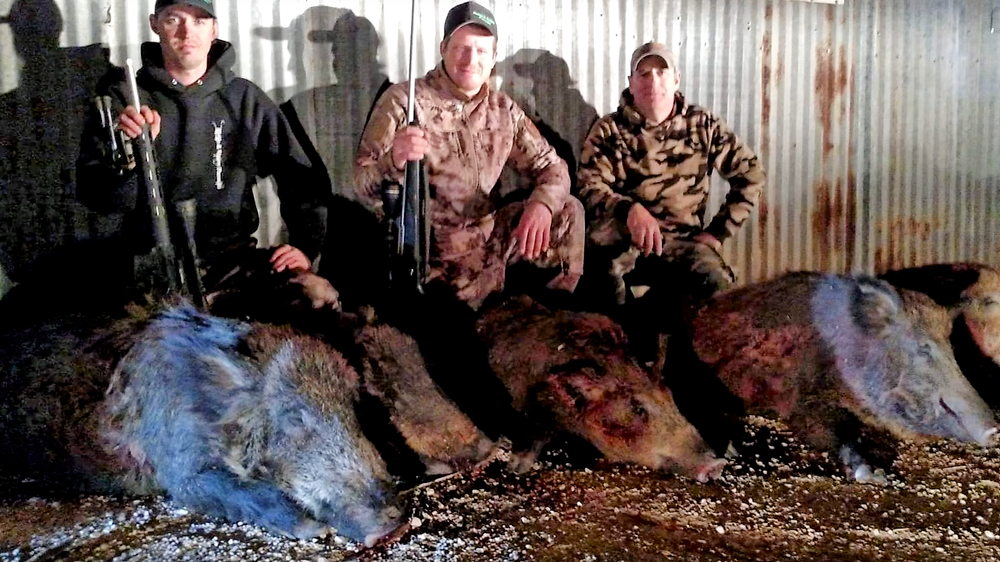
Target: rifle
409	229
181	274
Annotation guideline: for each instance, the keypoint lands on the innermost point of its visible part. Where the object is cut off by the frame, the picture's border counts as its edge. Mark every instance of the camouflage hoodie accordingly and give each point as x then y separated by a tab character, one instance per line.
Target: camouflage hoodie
666	167
471	139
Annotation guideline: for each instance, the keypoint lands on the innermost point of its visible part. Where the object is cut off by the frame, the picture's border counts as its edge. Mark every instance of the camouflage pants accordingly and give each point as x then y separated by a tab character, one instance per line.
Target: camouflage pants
473	259
648	294
686	269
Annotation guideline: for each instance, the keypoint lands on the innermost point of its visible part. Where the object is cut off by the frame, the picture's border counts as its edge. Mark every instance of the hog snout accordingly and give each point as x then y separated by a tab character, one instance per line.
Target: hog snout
393	522
710	470
990	437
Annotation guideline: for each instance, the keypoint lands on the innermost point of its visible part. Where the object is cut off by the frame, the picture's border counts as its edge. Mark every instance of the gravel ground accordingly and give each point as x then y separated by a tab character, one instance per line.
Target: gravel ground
778	501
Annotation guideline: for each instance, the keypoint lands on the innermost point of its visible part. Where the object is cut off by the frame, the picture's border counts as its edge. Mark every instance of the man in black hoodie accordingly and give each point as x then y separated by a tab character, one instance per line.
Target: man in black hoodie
214	133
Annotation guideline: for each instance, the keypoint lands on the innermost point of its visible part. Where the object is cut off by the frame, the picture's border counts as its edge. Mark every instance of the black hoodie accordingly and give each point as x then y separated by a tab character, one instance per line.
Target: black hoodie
217	135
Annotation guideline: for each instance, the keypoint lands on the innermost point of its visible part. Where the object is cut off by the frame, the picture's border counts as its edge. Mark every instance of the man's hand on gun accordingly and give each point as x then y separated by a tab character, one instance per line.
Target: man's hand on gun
131	121
409	145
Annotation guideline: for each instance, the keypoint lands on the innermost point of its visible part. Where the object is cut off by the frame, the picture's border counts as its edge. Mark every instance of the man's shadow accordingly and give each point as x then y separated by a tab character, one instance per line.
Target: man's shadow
541	84
40	125
329	119
332	114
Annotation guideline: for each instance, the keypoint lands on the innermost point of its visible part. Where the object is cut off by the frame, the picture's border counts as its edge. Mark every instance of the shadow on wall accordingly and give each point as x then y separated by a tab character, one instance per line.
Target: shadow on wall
332	113
40	124
552	101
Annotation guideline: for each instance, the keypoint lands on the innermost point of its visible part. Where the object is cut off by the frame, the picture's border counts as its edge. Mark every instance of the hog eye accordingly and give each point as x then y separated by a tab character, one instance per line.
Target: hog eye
989	301
638	410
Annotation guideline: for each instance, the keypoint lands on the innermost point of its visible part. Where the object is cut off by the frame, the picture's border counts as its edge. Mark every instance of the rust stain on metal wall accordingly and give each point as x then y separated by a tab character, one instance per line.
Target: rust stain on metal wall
850	226
765	94
827	216
830	83
763	212
891	256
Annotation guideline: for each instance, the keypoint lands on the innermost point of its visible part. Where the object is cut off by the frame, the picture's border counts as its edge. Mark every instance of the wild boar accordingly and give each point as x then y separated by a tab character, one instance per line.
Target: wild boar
250	422
570	371
832	354
971	291
432	425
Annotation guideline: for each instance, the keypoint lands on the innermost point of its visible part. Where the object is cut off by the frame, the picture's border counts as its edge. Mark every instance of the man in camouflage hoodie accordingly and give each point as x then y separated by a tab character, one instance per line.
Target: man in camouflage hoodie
467	133
644	179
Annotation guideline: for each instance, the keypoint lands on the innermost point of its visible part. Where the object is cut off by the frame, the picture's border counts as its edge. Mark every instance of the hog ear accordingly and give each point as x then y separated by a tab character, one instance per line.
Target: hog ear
875	305
944	282
285	406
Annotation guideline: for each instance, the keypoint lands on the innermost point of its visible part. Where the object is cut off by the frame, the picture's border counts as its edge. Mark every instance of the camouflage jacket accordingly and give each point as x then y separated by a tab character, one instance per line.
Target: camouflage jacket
665	167
471	140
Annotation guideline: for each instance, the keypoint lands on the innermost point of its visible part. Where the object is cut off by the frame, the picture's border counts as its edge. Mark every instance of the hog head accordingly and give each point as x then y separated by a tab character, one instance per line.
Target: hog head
317	453
898	363
570	370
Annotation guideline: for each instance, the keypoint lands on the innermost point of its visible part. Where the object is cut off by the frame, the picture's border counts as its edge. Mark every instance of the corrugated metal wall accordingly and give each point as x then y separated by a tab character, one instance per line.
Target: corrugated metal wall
878	120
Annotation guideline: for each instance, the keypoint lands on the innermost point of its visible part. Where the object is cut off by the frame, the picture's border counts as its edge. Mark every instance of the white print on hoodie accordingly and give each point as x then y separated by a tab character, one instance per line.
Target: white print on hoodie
218	154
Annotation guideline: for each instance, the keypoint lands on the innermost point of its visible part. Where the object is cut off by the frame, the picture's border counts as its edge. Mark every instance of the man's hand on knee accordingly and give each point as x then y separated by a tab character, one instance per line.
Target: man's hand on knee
532	232
709	240
645	230
289	257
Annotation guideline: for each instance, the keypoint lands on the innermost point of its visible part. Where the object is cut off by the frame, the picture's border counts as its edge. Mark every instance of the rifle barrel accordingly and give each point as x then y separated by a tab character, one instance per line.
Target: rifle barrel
158	210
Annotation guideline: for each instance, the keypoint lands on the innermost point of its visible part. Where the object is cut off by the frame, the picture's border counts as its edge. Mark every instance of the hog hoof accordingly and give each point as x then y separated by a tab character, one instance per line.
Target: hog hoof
521	462
858	469
731	452
865	475
437	468
310	529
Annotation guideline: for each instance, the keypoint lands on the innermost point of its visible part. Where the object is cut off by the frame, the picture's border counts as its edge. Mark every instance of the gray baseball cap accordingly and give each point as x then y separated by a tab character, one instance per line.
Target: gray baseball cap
653	49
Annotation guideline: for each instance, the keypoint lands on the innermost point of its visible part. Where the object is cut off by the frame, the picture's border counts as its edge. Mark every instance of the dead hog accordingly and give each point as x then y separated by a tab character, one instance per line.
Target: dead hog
570	371
252	423
248	422
971	291
829	353
433	427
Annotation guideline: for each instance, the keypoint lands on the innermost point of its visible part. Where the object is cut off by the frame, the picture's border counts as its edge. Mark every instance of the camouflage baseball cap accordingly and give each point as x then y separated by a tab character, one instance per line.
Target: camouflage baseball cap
203	4
469	13
653	49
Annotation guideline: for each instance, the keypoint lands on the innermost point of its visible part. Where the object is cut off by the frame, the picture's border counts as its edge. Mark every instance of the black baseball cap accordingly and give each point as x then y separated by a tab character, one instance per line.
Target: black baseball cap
469	13
202	4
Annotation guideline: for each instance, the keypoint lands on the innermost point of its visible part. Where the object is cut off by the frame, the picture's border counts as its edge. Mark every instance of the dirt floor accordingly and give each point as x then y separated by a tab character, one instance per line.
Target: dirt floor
778	501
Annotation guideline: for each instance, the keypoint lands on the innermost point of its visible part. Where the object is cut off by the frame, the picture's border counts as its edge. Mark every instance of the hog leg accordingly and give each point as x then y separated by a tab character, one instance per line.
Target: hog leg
219	493
834	428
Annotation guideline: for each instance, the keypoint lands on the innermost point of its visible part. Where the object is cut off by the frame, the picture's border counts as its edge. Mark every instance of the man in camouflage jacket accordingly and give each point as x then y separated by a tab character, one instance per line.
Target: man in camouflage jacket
467	133
644	178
